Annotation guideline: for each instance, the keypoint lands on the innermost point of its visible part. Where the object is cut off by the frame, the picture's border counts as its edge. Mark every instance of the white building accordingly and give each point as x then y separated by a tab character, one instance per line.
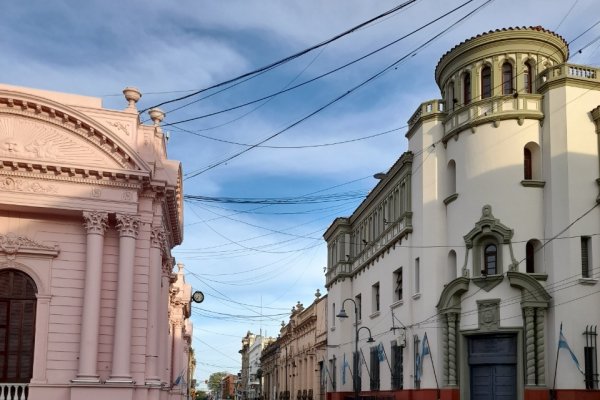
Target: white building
483	236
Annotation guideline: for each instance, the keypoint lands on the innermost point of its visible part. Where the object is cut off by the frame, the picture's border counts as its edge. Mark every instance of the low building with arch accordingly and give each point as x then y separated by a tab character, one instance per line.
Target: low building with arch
481	242
90	208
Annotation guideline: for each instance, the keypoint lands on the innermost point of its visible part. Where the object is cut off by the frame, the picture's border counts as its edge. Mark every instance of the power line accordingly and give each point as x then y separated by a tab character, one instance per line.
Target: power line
340	97
270	96
289	58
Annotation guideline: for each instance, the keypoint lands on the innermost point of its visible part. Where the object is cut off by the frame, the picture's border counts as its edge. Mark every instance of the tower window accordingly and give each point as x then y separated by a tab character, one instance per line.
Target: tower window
490	258
527	78
507	78
466	88
486	82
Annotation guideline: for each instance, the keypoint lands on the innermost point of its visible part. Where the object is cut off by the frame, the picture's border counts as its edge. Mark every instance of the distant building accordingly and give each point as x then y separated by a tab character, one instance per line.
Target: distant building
228	386
293	364
481	241
90	208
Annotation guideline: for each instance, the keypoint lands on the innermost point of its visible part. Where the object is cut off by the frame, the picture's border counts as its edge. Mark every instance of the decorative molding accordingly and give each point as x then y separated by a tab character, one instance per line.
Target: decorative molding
118	126
116	179
128	225
450	198
157	238
488	282
533	183
12	245
22	185
95	222
488	314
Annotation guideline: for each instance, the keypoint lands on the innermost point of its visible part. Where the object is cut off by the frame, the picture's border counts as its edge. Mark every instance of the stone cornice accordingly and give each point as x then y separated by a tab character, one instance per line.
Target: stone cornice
88	177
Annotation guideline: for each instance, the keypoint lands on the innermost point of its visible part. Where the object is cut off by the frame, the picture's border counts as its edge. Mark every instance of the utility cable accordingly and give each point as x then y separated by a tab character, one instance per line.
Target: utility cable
289	58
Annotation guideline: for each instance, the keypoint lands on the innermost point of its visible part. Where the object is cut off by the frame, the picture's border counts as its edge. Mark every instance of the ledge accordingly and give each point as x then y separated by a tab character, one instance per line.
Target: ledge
396	304
539	276
375	314
488	282
450	198
416	296
533	183
588	281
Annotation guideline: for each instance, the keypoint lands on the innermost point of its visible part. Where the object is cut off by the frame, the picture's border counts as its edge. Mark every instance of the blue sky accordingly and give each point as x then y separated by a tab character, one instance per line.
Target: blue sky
274	256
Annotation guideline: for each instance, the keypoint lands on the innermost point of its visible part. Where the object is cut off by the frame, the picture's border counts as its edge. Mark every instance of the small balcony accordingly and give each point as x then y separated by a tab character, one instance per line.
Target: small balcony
14	391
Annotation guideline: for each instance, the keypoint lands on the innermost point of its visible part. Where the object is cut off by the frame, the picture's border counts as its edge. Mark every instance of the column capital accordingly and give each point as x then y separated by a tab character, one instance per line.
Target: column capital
128	225
95	221
167	267
528	312
157	237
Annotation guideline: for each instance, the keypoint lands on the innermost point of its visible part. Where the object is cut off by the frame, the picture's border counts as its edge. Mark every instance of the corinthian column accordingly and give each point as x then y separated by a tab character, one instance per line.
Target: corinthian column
95	224
128	226
154	295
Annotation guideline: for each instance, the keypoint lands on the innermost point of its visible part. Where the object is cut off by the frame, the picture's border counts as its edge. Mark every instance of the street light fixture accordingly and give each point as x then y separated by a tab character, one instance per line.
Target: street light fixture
343	314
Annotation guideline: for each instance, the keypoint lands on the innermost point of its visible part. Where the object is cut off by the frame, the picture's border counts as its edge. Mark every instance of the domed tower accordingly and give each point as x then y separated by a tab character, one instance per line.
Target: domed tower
504	176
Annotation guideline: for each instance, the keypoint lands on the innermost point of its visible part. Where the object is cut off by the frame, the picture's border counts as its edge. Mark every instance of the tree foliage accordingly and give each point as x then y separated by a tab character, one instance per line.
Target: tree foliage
214	380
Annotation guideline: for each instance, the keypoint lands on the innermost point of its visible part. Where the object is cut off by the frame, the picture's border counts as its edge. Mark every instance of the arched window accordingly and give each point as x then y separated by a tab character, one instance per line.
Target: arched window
451	178
451	266
527	78
507	78
490	258
532	168
466	88
17	326
529	258
486	82
527	173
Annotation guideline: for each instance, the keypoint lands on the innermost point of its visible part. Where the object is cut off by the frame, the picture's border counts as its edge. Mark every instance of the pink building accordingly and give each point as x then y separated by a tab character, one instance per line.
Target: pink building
90	208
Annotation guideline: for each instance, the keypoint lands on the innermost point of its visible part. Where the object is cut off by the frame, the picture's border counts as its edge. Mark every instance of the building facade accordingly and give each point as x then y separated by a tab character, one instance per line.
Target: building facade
90	208
299	353
478	246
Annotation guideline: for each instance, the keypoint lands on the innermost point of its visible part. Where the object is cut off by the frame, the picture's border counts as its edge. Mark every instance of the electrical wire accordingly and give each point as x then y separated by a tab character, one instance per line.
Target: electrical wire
289	58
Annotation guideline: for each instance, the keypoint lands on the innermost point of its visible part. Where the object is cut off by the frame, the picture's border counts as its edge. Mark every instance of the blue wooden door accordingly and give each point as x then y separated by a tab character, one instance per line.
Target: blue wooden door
493	367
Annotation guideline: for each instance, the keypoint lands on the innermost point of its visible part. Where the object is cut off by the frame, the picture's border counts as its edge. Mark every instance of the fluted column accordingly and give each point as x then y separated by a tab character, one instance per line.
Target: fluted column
528	312
128	226
41	338
95	224
452	318
154	295
540	343
163	334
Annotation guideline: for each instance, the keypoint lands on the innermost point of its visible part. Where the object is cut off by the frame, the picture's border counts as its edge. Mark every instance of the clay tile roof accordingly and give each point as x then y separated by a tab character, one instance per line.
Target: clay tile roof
538	28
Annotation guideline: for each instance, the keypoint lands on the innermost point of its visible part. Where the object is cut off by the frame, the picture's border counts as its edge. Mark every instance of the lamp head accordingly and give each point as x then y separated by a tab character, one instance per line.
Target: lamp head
370	340
342	314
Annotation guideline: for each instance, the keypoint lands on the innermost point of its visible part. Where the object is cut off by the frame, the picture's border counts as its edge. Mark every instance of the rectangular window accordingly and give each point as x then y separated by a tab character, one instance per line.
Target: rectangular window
375	290
586	256
374	368
398	284
358	300
397	366
417	276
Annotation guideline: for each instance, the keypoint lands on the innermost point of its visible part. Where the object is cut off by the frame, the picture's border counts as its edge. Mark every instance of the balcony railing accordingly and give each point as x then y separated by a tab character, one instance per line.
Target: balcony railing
14	391
580	72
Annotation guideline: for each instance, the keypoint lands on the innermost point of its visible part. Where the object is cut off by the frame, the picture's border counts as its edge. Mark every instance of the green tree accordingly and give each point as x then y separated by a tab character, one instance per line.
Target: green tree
214	380
201	395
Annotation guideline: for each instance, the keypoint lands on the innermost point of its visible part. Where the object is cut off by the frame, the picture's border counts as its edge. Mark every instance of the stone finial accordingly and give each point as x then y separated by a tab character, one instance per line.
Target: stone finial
179	268
318	294
132	95
156	115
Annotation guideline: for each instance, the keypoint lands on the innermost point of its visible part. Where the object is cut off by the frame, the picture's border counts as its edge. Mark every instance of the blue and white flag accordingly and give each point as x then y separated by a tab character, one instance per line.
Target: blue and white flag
380	352
562	344
424	352
344	366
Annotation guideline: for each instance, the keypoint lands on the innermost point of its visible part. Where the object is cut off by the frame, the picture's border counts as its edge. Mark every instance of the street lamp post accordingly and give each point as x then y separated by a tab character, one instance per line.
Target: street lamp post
343	314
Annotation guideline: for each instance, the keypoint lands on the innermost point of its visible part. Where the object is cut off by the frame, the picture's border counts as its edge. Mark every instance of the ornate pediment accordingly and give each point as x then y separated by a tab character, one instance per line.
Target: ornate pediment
36	141
45	135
